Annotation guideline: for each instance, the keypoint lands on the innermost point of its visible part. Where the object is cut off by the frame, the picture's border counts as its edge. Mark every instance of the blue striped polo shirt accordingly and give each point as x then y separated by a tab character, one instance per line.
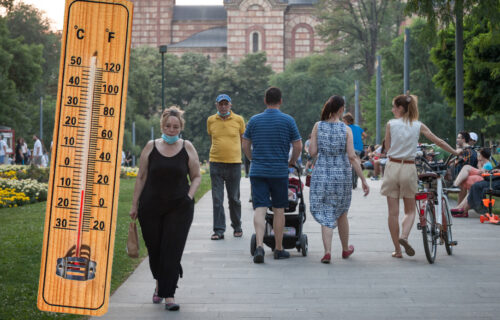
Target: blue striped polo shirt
271	133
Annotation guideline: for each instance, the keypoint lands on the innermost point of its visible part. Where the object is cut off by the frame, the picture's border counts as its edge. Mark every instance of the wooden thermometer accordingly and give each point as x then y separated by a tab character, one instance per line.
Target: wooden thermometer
84	181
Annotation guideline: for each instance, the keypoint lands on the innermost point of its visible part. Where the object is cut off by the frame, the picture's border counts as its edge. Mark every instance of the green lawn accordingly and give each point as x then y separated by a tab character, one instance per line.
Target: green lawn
21	237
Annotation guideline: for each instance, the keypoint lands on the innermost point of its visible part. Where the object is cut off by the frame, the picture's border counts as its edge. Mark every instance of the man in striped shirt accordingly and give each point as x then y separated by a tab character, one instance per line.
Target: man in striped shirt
270	133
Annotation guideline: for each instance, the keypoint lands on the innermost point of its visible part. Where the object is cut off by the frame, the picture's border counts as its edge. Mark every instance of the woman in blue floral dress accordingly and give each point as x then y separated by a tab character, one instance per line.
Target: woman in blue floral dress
331	181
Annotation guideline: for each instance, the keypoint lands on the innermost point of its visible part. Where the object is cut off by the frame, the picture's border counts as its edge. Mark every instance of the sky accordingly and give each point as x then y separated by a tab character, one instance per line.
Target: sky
54	9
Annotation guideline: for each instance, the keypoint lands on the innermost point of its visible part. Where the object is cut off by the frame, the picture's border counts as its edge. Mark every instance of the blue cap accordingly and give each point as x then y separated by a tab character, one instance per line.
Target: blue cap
221	97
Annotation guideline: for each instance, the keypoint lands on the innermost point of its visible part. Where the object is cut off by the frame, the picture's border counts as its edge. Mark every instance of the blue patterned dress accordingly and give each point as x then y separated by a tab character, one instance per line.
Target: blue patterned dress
331	181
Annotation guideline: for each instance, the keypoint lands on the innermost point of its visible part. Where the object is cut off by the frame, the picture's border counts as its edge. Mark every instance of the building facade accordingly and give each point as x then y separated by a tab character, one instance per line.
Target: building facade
285	29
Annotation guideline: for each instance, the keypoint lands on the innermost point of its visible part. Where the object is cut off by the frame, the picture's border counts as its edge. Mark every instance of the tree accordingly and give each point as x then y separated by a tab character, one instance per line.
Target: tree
434	112
306	85
358	29
192	83
446	12
252	80
20	71
481	66
28	22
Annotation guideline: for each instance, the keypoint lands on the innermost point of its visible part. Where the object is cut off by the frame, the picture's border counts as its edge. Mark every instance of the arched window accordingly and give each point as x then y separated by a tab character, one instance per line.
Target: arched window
302	40
255	42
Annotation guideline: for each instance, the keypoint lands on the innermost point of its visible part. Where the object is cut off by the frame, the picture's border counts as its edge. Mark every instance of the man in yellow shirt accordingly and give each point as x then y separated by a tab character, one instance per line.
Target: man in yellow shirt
225	129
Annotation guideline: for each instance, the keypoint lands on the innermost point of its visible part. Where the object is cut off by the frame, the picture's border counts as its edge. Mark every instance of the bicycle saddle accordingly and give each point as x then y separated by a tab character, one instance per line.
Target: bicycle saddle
428	175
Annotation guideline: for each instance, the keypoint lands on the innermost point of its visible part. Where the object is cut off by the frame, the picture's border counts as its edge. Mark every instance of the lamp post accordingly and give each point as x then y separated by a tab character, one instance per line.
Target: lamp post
163	49
406	62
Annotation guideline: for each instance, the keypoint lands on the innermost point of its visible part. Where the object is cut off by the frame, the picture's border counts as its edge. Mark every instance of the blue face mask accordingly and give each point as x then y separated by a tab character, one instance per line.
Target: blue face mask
170	139
223	115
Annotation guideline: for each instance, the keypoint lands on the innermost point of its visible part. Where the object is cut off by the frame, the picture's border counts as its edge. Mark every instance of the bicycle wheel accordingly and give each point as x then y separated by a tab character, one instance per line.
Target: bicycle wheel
429	233
447	235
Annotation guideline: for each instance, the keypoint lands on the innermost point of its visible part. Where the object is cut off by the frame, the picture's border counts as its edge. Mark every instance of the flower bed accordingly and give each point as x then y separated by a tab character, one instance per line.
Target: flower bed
128	172
20	172
30	188
10	198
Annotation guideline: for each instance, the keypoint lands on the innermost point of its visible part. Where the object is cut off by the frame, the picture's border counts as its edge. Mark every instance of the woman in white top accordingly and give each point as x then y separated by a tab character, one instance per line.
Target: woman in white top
400	178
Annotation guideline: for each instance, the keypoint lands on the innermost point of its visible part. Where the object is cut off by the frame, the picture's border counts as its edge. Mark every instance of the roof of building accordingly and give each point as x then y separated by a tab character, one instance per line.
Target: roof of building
211	38
199	13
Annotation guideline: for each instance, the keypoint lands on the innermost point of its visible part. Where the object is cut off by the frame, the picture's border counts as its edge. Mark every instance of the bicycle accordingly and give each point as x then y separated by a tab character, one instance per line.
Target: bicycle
431	199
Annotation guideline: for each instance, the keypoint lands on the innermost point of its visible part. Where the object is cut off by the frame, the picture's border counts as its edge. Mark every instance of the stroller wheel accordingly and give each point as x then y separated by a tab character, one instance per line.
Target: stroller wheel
303	244
253	244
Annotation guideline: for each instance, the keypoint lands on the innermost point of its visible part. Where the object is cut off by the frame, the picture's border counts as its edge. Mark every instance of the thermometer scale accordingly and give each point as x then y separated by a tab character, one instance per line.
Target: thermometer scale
83	190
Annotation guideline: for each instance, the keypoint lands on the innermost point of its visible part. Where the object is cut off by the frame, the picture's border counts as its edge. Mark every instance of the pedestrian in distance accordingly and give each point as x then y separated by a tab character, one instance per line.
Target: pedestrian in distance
3	150
270	134
19	157
225	129
37	151
400	178
163	201
331	180
358	134
26	152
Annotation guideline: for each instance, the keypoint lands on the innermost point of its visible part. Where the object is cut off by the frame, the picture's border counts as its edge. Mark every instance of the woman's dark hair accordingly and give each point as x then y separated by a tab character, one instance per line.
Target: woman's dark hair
332	106
465	136
382	150
486	153
348	118
273	96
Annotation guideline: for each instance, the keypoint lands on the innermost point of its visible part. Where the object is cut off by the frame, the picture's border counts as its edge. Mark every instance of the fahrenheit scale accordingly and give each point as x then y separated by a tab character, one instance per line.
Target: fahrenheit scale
80	219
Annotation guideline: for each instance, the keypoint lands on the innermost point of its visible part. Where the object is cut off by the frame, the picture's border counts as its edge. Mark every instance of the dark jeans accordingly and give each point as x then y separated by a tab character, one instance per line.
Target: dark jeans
477	194
229	173
165	230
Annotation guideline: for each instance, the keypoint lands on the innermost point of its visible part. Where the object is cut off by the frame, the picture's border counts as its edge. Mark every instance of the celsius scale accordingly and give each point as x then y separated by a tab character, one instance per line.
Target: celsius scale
80	220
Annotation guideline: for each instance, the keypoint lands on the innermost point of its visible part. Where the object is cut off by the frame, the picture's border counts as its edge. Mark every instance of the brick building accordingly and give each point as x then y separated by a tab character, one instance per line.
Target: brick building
282	28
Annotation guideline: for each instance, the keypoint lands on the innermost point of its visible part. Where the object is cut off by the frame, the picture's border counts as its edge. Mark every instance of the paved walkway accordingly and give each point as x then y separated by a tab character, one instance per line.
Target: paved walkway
222	282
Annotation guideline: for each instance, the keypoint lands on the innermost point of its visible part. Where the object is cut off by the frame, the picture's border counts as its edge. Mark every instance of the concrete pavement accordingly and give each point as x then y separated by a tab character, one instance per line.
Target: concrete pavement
221	281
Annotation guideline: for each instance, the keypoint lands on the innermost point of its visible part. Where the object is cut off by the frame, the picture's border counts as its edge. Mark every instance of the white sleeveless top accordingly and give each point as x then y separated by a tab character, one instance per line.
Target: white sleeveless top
404	139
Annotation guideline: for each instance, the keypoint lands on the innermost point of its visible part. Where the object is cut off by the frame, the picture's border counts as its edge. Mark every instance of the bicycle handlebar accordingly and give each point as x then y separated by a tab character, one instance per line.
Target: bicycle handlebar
441	166
496	174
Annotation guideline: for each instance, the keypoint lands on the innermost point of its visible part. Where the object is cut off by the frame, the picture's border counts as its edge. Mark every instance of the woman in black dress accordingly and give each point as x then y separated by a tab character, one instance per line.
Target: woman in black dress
19	157
164	202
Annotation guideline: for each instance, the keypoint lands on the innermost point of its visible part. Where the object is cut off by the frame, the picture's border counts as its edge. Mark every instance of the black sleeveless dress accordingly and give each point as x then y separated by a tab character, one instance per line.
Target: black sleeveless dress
167	178
165	215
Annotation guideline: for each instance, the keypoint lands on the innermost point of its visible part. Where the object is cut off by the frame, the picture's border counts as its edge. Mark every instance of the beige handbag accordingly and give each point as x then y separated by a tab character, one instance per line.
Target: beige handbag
133	241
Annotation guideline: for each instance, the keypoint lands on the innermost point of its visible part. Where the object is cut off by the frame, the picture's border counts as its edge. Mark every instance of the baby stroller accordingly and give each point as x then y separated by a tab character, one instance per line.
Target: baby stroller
292	235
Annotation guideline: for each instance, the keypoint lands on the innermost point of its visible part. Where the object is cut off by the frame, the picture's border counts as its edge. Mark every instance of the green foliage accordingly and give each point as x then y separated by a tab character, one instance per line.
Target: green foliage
481	71
357	29
307	84
444	11
192	83
33	172
20	70
434	111
29	58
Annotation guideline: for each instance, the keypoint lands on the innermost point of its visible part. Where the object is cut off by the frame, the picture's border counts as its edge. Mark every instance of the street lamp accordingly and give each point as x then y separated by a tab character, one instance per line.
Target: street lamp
163	49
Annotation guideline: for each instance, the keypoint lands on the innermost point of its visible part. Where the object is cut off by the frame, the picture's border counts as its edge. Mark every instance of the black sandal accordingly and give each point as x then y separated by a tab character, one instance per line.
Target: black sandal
238	234
217	236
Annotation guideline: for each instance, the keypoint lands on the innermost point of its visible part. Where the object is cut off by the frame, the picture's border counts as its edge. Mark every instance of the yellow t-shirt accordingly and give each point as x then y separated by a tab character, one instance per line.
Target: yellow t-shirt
226	138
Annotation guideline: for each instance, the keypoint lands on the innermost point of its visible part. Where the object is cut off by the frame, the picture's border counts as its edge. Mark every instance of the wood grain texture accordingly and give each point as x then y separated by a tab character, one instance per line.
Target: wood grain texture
77	252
